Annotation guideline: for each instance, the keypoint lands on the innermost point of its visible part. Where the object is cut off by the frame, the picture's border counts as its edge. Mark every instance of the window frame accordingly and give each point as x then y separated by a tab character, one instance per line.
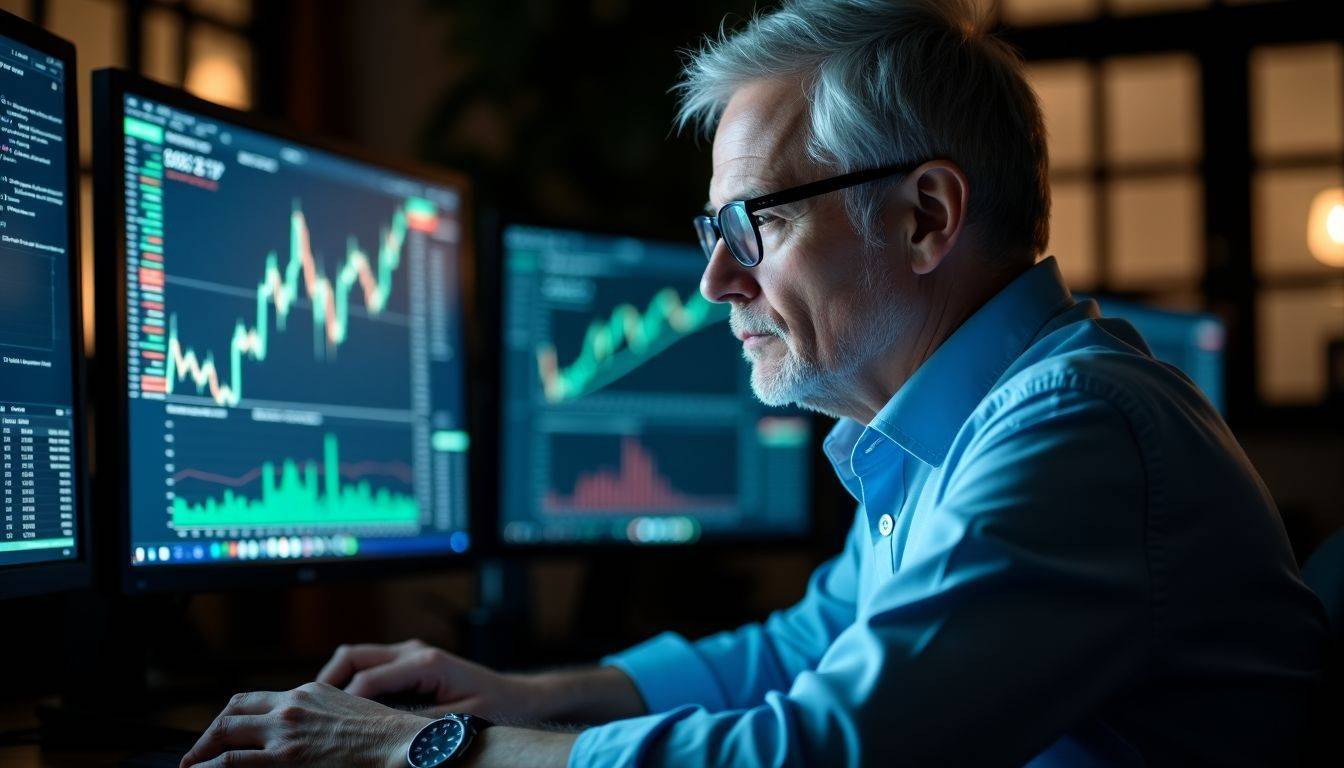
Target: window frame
1231	286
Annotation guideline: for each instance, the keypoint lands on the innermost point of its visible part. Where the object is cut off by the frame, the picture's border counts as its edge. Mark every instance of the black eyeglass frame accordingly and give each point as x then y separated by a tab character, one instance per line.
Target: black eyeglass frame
783	197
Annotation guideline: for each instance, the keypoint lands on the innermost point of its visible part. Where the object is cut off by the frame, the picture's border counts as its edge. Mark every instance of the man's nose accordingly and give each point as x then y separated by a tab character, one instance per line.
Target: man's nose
726	280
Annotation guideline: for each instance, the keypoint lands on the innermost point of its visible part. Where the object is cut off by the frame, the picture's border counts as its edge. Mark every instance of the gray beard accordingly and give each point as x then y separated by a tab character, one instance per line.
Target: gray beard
804	383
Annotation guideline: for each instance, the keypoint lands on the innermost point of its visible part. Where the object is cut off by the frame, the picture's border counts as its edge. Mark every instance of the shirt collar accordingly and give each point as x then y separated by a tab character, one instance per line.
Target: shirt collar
926	413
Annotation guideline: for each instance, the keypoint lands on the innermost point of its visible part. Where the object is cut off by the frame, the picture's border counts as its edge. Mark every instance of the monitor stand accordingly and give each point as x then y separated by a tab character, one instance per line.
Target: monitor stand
629	595
498	632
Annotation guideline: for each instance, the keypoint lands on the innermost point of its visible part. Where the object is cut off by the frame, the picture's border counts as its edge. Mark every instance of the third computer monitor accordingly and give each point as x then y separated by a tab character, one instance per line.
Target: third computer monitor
291	346
627	414
43	546
1194	342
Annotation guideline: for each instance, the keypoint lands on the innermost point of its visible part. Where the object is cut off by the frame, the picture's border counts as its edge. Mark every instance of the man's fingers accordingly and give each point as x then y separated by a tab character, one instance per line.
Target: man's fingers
251	703
228	733
350	659
409	673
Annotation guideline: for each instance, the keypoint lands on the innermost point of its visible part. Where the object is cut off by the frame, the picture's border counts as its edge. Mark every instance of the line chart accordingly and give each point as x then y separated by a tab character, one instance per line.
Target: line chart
621	343
281	288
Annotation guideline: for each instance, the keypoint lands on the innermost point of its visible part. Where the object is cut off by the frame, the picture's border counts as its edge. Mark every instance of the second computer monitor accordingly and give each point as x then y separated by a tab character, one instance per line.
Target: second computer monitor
627	409
291	367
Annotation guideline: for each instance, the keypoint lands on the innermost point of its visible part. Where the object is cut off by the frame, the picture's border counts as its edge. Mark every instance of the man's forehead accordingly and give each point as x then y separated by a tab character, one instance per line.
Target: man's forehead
758	146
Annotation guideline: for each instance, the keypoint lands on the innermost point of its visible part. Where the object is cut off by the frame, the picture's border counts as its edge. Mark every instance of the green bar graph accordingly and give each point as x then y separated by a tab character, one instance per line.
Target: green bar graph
293	497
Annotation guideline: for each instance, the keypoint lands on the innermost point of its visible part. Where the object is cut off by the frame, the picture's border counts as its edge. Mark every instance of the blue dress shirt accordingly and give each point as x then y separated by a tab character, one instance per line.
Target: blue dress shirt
1061	556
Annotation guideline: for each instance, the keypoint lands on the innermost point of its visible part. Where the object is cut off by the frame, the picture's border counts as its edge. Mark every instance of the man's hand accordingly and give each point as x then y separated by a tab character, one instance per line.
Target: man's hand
313	725
452	683
457	685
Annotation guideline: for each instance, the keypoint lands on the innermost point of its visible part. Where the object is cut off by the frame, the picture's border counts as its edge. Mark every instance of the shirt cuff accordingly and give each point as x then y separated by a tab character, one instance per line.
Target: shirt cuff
623	742
669	673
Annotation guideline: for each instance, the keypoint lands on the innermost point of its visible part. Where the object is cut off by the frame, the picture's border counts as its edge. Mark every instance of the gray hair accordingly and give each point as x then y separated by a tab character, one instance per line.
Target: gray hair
891	81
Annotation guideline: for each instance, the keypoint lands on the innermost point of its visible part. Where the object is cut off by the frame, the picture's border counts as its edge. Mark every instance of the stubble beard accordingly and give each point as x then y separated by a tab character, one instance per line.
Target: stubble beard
801	380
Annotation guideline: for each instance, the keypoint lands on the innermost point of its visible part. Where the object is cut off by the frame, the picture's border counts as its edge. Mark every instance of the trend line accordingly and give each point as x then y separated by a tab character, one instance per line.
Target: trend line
398	470
623	342
279	288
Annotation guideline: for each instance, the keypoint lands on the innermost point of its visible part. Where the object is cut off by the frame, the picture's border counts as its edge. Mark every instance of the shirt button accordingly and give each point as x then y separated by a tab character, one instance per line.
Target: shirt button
885	524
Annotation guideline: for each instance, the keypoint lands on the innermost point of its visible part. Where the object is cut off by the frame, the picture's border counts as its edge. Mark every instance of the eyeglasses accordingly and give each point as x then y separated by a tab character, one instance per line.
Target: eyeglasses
739	227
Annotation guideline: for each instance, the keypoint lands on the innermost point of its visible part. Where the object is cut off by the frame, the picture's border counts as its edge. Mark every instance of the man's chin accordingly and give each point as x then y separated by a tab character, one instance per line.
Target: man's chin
768	387
773	388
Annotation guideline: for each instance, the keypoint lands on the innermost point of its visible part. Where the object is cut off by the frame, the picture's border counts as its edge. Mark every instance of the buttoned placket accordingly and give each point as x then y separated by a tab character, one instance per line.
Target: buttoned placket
878	463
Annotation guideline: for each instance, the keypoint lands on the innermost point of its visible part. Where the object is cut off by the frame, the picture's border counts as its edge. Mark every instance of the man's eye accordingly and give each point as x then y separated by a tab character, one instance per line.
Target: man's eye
764	218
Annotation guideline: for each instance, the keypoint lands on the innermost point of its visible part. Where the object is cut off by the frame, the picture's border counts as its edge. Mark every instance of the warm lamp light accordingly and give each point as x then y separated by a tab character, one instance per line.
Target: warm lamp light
1334	224
1325	227
219	79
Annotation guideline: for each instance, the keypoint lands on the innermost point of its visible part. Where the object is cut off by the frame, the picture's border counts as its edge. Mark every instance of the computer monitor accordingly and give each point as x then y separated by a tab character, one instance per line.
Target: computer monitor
627	411
285	326
43	544
1191	341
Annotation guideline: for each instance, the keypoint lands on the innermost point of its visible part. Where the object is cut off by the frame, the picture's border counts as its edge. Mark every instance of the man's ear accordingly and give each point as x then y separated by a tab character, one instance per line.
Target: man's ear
934	197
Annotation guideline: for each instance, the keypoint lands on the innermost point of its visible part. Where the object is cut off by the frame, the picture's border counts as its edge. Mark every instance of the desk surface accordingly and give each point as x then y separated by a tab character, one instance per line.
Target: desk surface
20	715
34	756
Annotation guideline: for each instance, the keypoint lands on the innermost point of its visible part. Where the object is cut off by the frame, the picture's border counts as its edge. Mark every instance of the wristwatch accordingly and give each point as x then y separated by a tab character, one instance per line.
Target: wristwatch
444	741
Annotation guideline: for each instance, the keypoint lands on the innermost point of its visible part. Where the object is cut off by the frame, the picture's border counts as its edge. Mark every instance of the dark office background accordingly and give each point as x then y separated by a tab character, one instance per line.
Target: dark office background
1190	140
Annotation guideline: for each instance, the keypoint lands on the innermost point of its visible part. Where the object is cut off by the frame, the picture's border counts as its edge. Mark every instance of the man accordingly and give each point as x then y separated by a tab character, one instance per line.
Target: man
1060	555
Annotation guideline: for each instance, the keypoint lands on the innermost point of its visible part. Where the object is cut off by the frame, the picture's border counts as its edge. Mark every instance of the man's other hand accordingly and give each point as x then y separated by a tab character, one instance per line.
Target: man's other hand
453	684
450	683
313	725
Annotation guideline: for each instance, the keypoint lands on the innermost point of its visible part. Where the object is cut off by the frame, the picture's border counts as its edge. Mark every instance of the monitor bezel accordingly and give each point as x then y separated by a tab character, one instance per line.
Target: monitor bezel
109	89
26	579
493	227
1136	301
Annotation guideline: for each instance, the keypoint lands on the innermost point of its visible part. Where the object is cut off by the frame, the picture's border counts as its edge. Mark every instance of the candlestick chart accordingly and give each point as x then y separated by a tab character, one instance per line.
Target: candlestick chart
293	346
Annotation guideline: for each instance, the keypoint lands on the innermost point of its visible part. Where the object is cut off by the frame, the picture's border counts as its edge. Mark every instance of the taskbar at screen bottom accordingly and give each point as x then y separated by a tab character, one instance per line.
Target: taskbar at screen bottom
340	546
648	530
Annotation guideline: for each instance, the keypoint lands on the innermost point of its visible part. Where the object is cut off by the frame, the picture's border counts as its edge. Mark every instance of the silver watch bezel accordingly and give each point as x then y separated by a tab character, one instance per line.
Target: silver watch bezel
468	735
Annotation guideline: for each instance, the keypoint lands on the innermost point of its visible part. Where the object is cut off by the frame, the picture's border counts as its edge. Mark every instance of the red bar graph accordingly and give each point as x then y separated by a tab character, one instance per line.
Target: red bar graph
636	486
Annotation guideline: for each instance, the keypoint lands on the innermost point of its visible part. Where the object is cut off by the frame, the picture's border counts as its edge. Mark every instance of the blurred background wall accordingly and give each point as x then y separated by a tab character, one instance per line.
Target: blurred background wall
1197	151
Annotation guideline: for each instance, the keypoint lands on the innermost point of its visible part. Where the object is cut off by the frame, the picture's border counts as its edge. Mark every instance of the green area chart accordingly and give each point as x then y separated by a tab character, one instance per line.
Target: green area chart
301	496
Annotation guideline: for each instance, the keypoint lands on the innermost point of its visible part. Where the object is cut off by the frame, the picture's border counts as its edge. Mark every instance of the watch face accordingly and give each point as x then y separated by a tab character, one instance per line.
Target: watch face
436	743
